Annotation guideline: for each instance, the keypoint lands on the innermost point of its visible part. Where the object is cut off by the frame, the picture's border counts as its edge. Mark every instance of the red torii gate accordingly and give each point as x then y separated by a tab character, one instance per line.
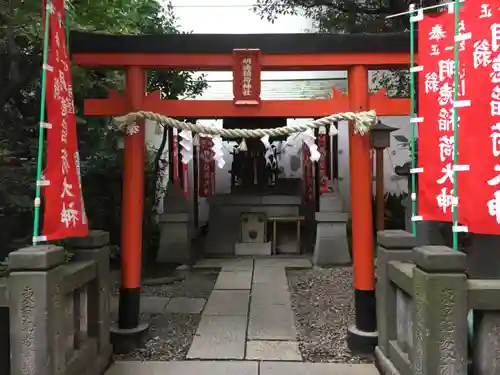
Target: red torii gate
279	52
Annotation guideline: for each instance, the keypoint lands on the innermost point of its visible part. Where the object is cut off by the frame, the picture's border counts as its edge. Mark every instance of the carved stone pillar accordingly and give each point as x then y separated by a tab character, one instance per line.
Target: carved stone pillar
440	316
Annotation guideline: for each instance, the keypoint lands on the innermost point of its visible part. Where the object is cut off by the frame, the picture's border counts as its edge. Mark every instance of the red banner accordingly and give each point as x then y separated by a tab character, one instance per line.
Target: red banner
307	171
479	188
246	76
323	175
205	167
435	130
175	155
64	211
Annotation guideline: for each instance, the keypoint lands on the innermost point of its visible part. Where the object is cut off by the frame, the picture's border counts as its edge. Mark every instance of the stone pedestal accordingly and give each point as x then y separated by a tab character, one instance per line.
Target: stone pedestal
175	228
252	248
331	239
175	238
331	202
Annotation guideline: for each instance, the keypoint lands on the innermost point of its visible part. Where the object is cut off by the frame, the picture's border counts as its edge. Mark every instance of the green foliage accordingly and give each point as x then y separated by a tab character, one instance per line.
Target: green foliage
340	15
101	161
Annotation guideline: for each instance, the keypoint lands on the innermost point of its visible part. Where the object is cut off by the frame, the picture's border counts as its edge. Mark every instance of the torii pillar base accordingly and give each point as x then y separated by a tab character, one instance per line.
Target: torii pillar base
126	340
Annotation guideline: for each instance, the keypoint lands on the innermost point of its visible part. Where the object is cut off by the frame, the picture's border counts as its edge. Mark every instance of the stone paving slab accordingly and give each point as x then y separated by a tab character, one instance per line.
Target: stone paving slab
185	305
263	294
228	280
185	368
219	337
270	275
230	264
228	302
273	351
283	262
271	322
294	368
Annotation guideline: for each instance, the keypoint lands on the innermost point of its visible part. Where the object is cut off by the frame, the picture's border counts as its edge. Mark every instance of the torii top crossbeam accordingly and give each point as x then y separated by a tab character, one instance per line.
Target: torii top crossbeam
213	51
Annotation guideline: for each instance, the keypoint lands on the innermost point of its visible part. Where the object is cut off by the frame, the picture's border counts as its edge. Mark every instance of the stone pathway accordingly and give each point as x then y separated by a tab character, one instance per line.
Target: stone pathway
238	368
247	326
249	313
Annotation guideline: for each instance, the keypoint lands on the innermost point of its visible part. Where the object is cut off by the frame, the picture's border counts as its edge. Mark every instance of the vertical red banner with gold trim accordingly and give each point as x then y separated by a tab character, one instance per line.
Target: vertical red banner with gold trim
479	188
246	76
175	155
205	165
308	178
64	210
323	175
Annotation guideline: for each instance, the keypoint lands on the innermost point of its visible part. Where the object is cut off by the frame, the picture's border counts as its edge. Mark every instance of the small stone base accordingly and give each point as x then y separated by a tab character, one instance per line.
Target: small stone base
250	248
360	342
126	340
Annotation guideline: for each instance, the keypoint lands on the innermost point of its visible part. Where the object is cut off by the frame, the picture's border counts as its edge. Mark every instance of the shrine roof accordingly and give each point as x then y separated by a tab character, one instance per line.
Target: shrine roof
306	43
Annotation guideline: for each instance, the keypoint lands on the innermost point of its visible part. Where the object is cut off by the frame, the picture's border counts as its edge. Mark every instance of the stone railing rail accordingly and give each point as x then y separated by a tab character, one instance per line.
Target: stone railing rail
423	300
59	312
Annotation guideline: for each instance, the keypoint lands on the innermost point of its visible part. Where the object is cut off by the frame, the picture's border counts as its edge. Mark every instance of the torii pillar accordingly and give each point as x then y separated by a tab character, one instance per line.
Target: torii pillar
127	336
362	337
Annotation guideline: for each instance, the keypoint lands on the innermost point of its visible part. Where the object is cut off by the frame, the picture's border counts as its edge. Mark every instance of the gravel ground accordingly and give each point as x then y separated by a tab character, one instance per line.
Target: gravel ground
169	338
170	335
322	300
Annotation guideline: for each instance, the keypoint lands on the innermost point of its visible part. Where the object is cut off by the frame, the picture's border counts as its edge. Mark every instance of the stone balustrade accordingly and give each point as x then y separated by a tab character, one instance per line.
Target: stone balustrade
423	301
59	311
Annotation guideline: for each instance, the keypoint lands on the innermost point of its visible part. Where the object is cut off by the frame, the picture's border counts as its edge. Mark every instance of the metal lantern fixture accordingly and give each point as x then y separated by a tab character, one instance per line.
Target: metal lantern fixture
380	135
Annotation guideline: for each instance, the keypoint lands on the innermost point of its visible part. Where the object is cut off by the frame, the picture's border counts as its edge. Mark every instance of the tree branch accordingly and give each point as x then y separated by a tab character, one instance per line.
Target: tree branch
332	3
16	85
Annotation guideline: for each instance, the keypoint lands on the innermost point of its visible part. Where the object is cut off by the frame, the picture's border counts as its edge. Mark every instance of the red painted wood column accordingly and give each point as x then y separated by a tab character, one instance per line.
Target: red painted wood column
362	337
132	207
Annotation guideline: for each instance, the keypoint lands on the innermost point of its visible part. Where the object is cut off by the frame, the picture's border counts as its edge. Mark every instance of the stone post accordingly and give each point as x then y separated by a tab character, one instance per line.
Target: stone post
33	295
393	245
95	247
175	228
331	246
440	316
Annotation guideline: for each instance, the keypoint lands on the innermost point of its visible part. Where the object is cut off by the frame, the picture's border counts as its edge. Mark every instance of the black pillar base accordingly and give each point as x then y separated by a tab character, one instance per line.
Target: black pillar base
129	308
129	333
126	340
361	342
363	337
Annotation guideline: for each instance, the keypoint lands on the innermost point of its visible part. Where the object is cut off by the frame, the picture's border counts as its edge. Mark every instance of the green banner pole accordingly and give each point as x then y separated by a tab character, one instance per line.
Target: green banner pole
413	192
41	134
456	78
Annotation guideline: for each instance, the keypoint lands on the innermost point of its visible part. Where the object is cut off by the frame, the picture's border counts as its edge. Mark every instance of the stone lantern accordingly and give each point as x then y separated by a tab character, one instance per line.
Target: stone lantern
380	138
